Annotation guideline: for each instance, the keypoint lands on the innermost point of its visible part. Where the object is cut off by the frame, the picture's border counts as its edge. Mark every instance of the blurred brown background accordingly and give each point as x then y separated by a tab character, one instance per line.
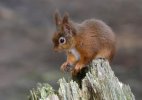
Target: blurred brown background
26	28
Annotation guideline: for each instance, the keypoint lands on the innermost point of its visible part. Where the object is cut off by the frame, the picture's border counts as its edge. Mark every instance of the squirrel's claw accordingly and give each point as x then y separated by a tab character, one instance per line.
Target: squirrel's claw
66	67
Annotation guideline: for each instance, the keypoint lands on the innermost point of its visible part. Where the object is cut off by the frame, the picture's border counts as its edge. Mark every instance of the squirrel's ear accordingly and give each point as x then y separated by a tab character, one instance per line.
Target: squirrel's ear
57	18
66	18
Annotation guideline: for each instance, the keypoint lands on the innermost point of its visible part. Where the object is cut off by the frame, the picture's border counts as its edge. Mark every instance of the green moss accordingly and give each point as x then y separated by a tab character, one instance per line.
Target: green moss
42	92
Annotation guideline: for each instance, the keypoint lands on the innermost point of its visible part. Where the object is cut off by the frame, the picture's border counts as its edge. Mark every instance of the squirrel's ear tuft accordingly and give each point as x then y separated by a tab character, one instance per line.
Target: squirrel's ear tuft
66	18
57	18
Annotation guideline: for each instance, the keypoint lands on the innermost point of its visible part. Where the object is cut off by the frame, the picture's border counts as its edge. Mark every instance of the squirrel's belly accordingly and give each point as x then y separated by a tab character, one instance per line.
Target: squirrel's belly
75	53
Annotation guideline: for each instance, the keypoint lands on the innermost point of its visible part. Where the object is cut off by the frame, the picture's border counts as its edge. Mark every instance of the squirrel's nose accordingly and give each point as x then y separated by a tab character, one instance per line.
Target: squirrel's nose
55	49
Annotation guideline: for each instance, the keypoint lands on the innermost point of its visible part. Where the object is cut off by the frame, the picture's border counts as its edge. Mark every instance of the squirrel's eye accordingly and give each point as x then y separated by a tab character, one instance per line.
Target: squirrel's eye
62	40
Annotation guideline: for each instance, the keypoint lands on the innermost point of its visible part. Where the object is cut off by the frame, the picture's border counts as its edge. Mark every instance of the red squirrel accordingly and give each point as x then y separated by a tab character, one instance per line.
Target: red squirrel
82	42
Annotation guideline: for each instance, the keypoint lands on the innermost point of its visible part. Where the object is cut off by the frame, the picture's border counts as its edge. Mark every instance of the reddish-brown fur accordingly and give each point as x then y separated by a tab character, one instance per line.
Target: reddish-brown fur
91	39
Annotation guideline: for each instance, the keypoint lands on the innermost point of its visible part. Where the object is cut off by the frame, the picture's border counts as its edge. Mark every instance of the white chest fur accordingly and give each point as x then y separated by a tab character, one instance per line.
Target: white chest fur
75	53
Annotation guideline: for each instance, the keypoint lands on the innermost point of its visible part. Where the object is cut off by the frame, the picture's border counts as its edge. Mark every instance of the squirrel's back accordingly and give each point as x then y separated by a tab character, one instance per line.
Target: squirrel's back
94	36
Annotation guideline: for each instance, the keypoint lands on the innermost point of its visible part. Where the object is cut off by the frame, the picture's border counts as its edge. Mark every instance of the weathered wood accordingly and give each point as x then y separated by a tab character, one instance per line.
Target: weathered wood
100	83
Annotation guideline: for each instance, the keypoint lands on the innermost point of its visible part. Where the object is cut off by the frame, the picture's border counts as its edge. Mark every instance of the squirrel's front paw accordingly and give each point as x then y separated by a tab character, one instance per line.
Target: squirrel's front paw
66	67
77	69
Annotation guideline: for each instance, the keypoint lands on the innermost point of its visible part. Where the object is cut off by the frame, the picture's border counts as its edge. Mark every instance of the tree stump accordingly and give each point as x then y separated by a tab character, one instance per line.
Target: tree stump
100	83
